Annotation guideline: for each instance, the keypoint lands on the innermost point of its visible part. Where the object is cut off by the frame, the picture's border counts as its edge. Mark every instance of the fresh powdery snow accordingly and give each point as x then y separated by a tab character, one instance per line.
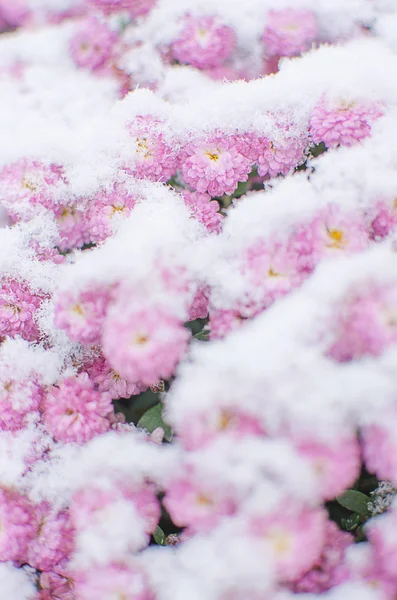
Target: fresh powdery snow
198	299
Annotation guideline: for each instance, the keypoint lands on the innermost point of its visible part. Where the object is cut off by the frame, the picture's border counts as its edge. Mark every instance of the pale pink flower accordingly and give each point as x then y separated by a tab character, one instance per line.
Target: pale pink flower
28	183
18	400
16	525
198	503
280	157
108	380
128	582
380	447
342	123
330	568
336	465
145	344
92	44
366	323
202	427
53	539
134	7
18	309
223	322
154	157
82	313
55	587
106	210
75	412
294	535
72	226
199	306
203	42
214	164
289	32
382	220
204	210
365	564
381	532
13	13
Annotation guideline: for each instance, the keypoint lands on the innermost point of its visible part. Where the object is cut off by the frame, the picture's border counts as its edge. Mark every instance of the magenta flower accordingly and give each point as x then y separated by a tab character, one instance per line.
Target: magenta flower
18	309
16	525
54	586
92	44
214	164
75	412
144	345
204	210
203	42
53	540
289	32
342	123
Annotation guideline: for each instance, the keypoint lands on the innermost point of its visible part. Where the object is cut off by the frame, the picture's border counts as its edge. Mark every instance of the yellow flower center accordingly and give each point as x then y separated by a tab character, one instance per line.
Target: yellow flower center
143	147
29	184
280	540
141	339
213	156
78	310
337	238
203	500
225	420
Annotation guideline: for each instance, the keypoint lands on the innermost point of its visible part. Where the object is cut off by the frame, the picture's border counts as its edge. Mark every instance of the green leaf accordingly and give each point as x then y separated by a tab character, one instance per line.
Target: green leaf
153	418
202	336
355	501
159	536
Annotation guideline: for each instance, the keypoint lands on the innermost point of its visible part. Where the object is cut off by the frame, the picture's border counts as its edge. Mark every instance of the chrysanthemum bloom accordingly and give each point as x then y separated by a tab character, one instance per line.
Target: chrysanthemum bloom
366	324
108	380
214	164
365	564
106	210
203	42
144	345
55	587
330	568
342	123
16	525
18	400
82	313
74	411
334	230
295	537
197	503
128	582
72	226
381	533
153	156
201	428
13	13
336	465
18	309
223	322
92	44
382	220
28	183
53	539
289	32
279	157
199	306
204	210
380	447
134	7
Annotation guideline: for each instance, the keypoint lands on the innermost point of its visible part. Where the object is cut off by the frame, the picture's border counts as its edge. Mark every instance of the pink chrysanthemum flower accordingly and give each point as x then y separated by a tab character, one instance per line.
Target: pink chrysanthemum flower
108	380
382	220
366	323
381	534
75	412
112	581
144	345
92	45
72	226
135	8
18	400
223	322
199	306
279	158
201	428
18	309
289	32
330	568
295	537
365	564
82	314
16	525
53	540
342	123
153	157
203	42
380	447
55	587
204	210
335	465
214	164
197	503
27	183
106	210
